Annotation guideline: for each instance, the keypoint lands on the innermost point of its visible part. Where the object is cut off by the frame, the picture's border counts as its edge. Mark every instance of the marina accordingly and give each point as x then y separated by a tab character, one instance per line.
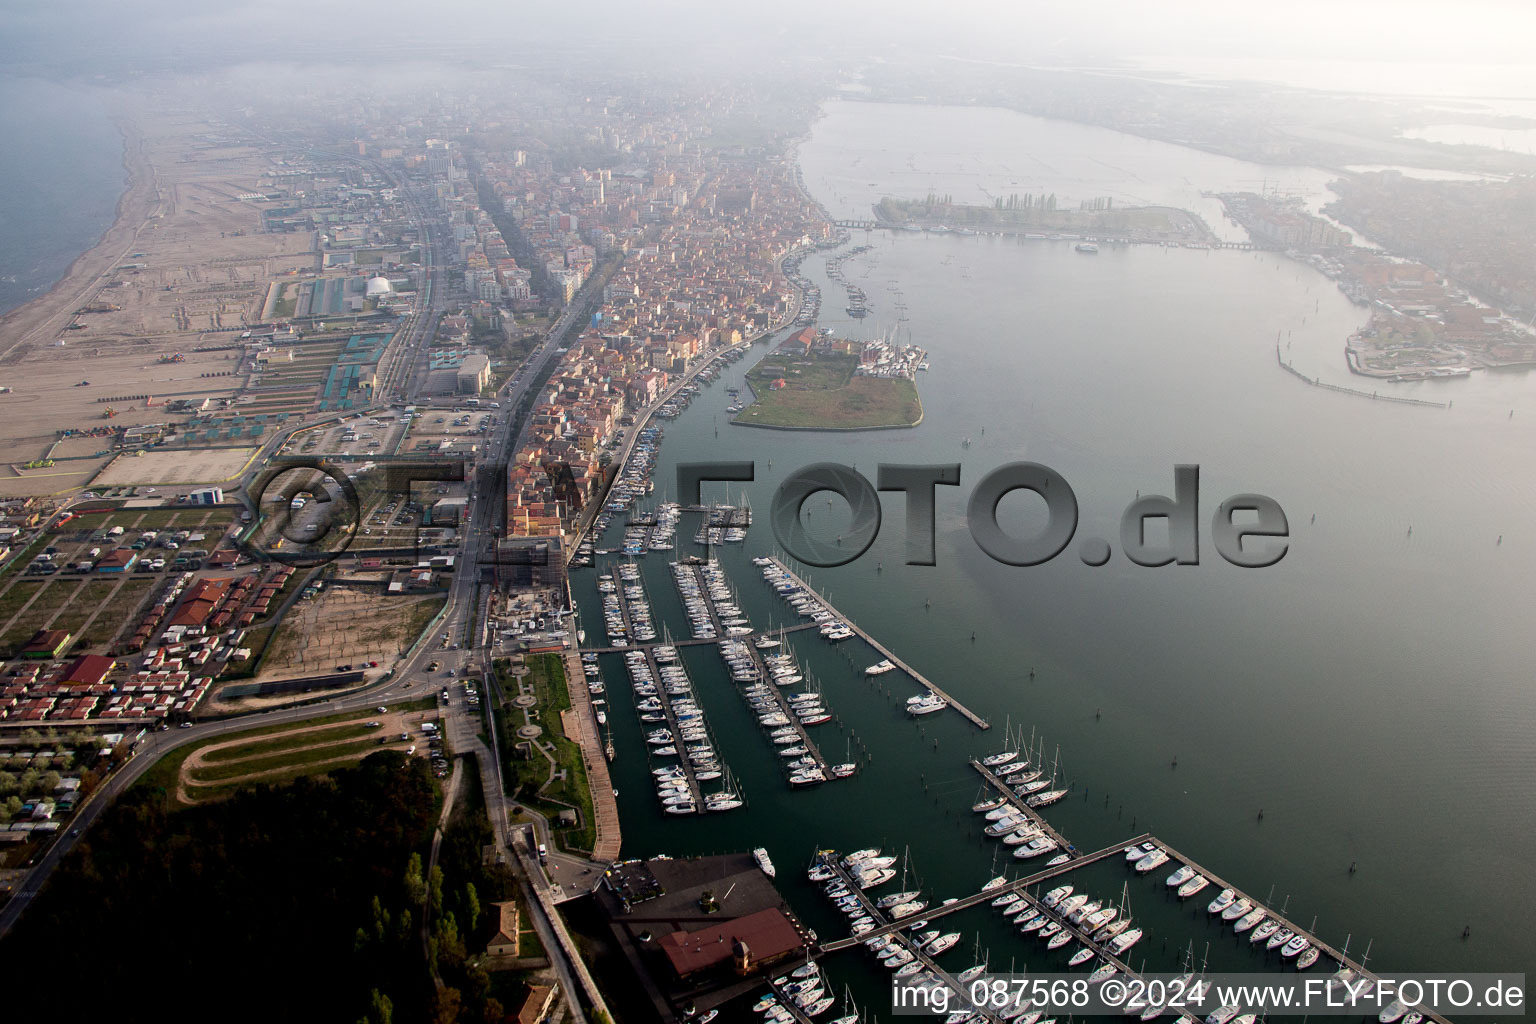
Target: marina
933	689
786	717
1022	807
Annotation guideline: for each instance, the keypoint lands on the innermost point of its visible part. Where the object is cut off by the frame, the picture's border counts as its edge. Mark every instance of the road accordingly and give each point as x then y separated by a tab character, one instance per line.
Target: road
408	680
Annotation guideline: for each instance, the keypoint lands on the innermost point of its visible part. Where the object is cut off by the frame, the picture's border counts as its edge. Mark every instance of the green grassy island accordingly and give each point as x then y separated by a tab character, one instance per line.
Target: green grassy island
813	382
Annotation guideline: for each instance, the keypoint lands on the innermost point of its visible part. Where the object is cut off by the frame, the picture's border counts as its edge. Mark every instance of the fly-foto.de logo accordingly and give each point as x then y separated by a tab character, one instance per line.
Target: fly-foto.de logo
1249	530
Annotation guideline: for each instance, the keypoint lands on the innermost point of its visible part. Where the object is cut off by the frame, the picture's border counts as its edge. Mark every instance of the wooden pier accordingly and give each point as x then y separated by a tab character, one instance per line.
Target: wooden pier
1018	885
1019	804
763	675
775	633
1322	947
918	677
695	790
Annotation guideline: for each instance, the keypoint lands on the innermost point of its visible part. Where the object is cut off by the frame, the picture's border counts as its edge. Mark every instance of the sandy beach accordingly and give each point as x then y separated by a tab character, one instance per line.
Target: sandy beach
40	320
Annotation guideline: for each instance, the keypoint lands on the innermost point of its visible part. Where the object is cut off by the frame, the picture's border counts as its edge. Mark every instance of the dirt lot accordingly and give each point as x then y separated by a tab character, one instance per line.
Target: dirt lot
342	626
183	466
185	260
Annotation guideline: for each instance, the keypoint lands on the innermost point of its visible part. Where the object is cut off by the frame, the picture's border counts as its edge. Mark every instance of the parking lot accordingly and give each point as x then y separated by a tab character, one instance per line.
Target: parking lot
450	430
356	435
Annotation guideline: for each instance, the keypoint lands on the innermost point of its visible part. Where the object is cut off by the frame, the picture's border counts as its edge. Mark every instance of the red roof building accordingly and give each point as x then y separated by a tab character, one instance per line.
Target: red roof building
87	670
747	942
202	597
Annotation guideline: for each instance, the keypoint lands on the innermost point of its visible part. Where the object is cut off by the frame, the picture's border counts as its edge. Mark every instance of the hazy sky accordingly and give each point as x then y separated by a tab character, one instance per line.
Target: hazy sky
166	31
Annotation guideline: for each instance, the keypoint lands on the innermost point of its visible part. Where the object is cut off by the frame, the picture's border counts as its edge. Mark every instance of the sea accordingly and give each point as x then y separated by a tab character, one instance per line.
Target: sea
62	165
1345	734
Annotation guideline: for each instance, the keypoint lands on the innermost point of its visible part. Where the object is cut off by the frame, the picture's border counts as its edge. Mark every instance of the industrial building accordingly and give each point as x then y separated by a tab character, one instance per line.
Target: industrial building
473	374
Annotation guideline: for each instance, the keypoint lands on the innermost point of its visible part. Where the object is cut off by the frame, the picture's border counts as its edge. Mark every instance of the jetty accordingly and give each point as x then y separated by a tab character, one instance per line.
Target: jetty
1021	805
917	677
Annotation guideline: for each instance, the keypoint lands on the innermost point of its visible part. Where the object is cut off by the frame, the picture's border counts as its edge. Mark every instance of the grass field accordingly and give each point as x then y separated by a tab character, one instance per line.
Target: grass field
546	673
822	393
276	749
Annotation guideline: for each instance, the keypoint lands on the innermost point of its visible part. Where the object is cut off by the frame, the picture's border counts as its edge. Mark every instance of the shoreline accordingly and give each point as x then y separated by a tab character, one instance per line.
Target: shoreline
55	307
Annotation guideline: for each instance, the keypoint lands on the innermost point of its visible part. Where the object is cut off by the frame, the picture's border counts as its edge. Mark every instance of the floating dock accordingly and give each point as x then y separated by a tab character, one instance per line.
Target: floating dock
1018	803
918	677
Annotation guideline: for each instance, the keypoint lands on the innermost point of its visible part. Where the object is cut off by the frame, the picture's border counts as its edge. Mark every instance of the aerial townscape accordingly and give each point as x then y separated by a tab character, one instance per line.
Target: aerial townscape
413	608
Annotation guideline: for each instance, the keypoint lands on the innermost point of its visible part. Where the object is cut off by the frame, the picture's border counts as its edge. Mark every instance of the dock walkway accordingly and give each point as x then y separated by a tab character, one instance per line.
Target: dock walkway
605	806
1322	947
918	677
1019	804
934	913
779	700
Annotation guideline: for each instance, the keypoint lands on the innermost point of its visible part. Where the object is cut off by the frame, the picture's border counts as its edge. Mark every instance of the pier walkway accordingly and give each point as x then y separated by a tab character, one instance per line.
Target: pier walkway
588	735
775	633
1323	948
1019	804
918	677
934	913
781	704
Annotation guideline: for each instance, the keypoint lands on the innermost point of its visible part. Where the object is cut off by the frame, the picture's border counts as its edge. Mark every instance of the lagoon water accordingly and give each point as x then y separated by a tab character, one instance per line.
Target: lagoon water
1370	693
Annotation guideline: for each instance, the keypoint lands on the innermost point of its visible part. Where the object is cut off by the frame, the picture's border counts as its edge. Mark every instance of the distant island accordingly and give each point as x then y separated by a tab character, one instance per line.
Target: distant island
1027	214
814	381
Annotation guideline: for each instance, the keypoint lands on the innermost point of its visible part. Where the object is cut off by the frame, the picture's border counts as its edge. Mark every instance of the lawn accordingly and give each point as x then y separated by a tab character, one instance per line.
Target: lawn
256	748
863	403
297	758
547	676
60	592
165	771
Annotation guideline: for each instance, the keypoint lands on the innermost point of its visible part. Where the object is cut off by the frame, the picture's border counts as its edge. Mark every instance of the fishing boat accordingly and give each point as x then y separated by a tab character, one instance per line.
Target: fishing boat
1056	895
1124	941
1071	903
1264	931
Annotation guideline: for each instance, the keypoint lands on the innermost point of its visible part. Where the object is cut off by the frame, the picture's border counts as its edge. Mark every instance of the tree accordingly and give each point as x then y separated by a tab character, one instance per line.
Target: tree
446	1009
380	1009
435	888
472	906
415	887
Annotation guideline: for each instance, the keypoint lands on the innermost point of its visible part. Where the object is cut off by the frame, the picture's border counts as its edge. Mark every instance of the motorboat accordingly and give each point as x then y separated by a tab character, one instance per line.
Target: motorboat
1179	877
1222	901
1193	886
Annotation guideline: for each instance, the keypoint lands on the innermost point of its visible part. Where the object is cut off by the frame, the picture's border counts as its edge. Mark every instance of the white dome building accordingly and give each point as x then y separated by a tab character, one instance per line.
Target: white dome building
379	287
